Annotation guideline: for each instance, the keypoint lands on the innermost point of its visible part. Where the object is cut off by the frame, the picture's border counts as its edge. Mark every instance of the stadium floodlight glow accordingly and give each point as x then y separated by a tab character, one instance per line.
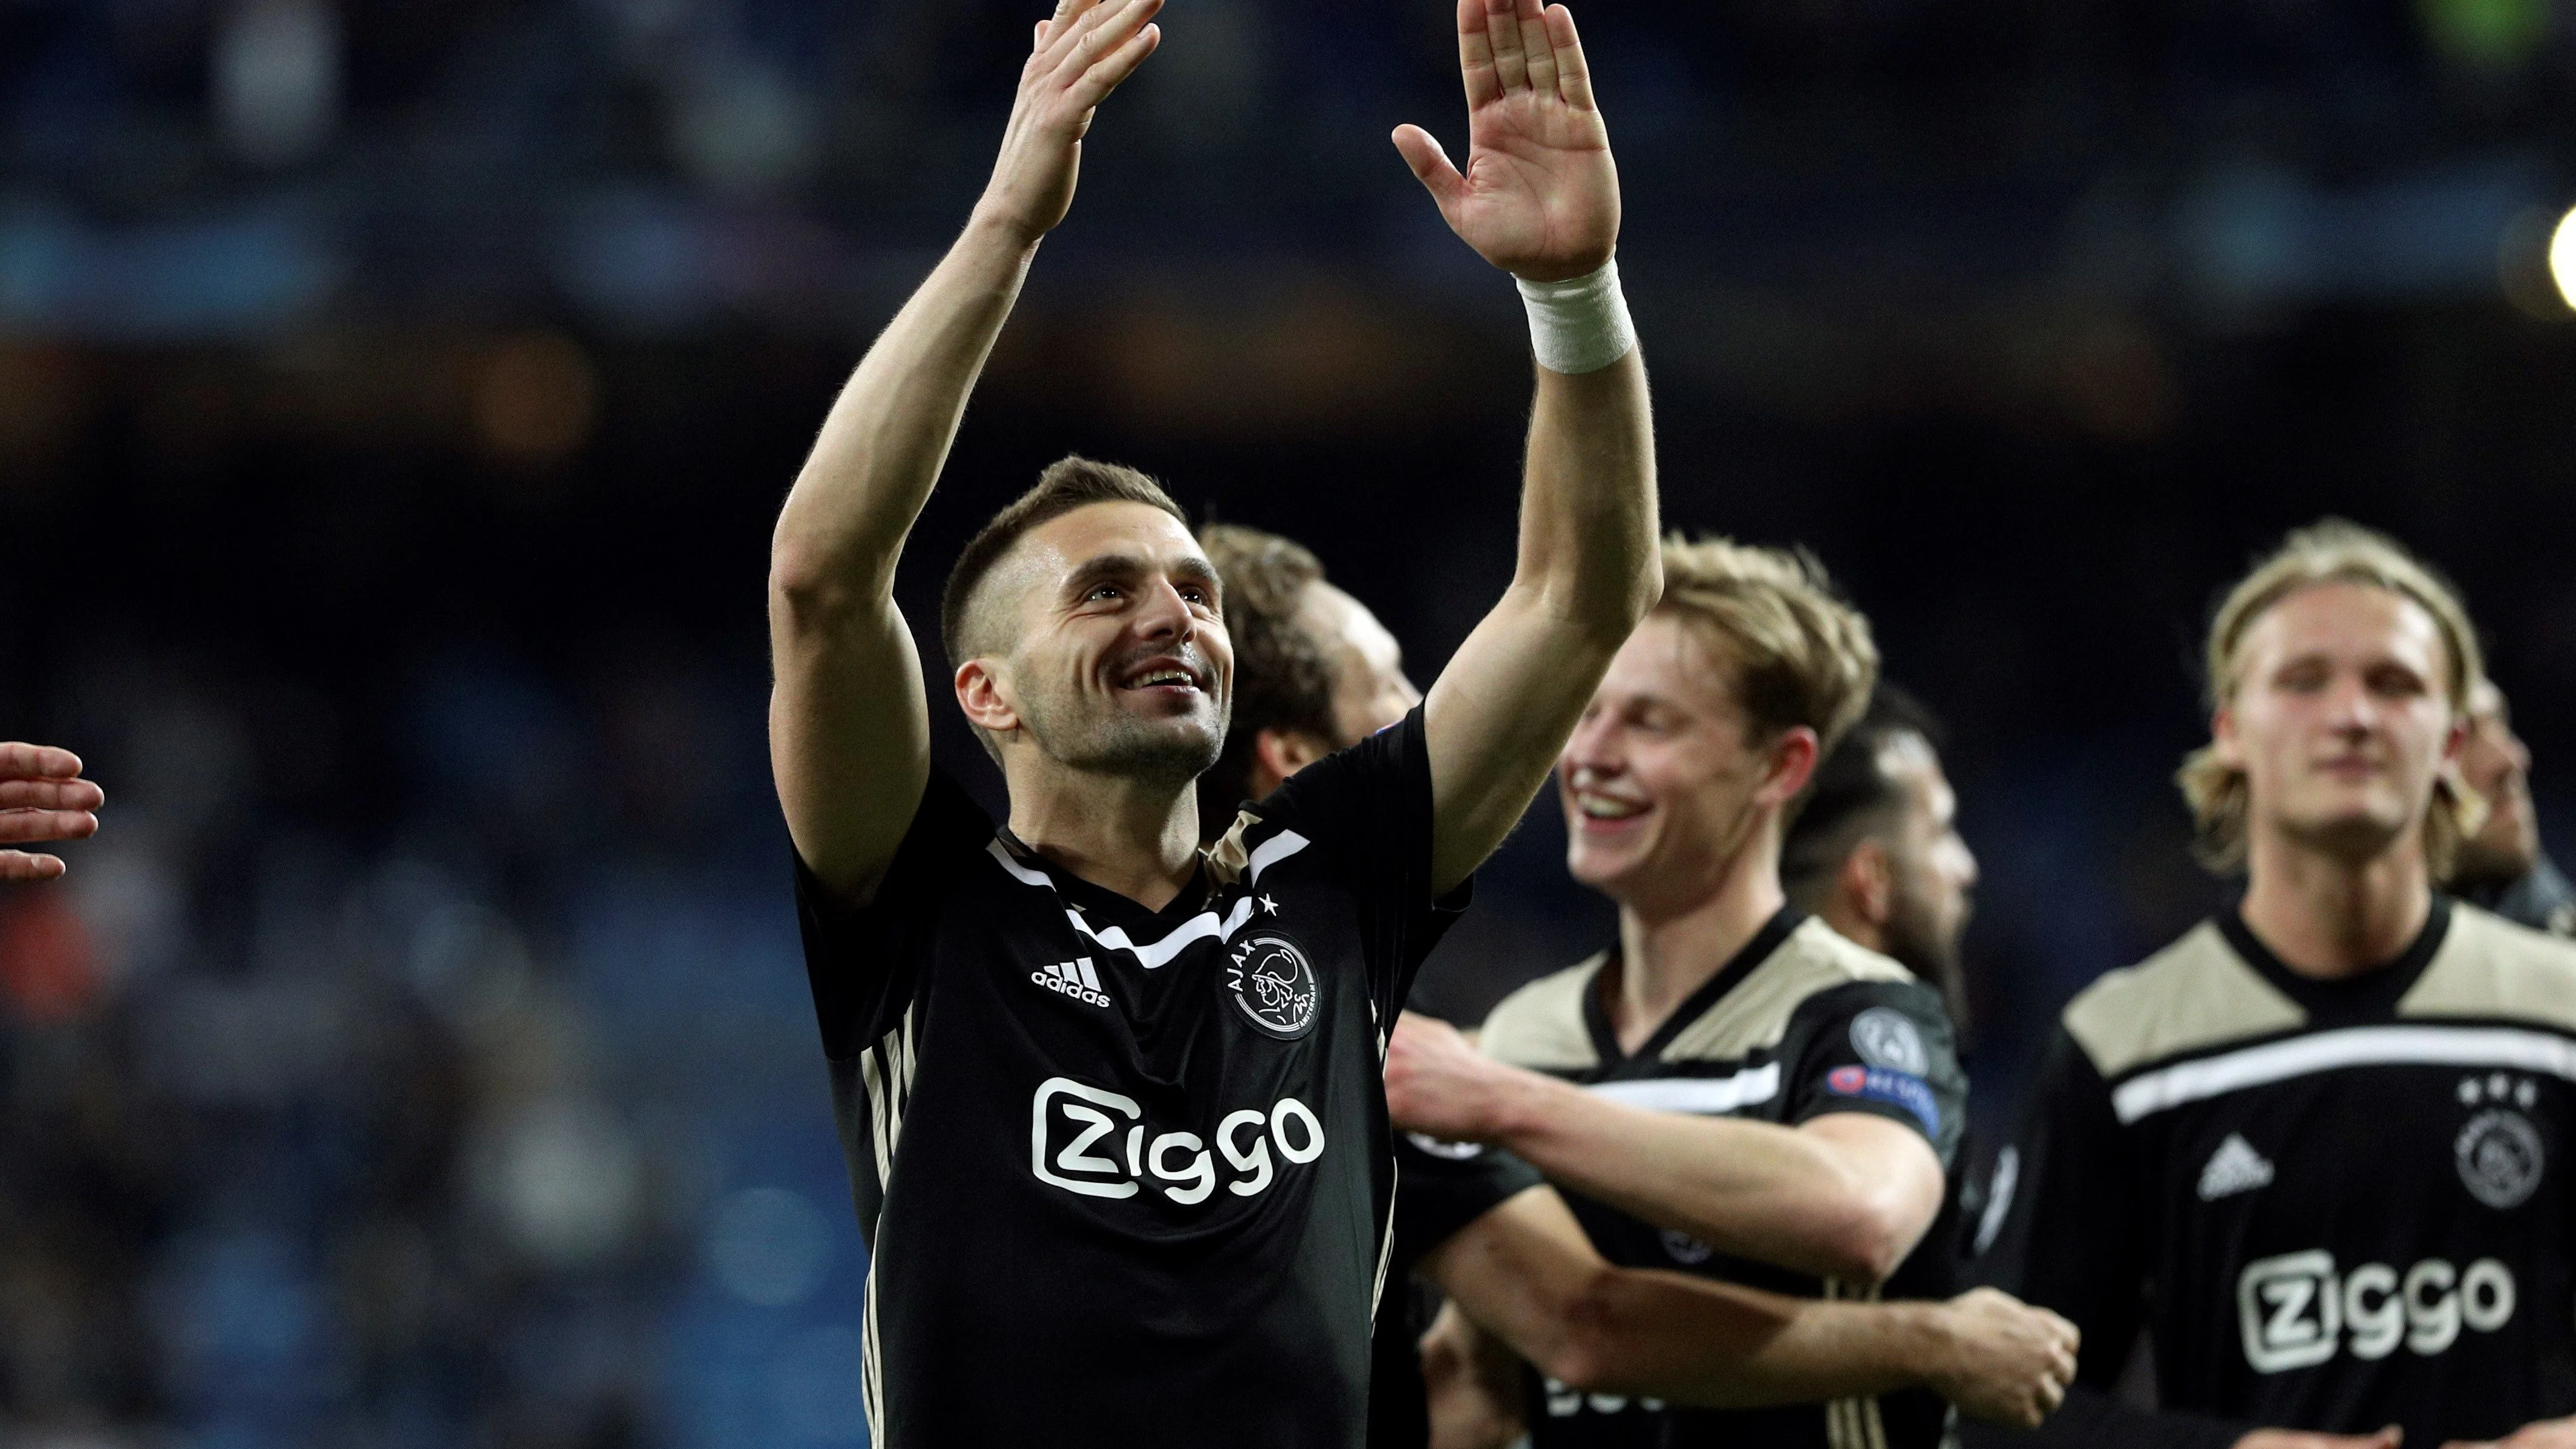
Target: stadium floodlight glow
2562	257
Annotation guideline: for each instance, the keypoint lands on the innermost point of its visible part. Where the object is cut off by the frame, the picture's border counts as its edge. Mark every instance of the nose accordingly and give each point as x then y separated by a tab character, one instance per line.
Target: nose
1164	614
2351	707
1591	751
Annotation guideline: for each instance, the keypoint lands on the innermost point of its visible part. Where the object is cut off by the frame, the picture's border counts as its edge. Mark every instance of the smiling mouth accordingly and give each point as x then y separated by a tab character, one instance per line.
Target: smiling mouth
1606	809
1164	677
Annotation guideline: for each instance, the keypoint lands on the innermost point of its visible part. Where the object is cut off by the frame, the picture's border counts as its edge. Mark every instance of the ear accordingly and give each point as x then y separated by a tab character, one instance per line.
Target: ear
980	694
1787	766
1278	754
1868	882
2223	743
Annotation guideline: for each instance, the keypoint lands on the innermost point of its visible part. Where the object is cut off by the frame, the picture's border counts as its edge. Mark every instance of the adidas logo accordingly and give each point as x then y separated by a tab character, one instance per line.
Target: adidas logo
1076	979
2235	1167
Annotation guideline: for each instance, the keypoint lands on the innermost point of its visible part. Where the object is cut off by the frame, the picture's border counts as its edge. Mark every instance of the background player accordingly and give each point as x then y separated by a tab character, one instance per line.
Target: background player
2501	865
1734	1089
42	797
1875	851
2318	1145
1044	1040
1316	672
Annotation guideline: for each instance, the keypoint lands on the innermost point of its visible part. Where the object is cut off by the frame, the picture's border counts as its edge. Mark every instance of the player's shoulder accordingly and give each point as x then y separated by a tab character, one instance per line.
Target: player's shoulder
1810	962
1541	1026
2494	969
2194	994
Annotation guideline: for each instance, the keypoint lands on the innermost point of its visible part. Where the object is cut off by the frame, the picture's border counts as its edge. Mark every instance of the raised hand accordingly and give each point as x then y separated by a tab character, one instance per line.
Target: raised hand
1080	56
42	797
1540	195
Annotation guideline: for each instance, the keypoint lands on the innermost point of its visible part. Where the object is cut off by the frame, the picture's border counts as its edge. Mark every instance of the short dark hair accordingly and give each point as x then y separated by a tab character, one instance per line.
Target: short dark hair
1282	680
1851	797
1070	482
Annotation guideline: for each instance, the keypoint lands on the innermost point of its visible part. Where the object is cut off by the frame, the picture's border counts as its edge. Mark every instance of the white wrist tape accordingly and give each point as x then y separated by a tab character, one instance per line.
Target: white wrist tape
1580	324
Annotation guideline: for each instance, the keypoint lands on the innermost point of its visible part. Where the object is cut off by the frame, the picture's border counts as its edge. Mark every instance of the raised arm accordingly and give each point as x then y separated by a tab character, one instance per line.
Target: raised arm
1540	199
849	729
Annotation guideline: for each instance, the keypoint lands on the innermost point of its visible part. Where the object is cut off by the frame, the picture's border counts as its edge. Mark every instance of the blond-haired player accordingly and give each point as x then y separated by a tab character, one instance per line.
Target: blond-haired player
2317	1146
1733	1089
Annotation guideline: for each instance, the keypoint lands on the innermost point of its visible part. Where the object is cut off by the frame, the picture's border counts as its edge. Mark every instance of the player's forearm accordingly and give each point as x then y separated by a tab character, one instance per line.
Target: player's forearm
1750	1189
1722	1346
888	434
1588	513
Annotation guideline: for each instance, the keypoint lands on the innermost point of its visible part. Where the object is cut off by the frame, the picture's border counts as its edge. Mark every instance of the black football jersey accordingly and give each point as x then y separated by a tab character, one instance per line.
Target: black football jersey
1125	1175
2333	1205
1441	1187
1802	1023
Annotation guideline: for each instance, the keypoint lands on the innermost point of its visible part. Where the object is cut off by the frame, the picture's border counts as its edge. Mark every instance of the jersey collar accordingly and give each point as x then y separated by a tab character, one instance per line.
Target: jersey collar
1109	905
1596	1002
2367	995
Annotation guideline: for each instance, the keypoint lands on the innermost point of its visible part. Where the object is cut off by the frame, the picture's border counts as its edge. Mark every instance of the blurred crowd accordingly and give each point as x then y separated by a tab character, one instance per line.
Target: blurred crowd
492	1120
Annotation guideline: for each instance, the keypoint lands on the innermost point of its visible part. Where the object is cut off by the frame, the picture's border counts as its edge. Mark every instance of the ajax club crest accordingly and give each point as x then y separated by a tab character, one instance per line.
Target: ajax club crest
1272	984
2500	1158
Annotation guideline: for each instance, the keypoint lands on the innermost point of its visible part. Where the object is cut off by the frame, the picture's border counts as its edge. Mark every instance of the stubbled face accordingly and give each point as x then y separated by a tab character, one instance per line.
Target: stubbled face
2495	763
2341	719
1122	665
1370	690
1935	874
1659	779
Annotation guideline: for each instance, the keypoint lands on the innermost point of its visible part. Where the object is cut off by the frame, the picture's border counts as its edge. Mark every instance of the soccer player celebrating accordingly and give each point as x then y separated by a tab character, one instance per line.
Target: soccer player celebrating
1875	851
1316	672
42	798
1733	1089
1112	1105
2500	865
2317	1145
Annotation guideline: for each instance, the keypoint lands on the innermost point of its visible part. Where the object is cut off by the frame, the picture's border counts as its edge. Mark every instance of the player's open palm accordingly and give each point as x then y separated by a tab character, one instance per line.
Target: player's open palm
1540	195
1081	54
2011	1362
42	797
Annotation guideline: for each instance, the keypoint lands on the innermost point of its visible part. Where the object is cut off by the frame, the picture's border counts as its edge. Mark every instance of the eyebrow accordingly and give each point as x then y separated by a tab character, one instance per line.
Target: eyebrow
1111	567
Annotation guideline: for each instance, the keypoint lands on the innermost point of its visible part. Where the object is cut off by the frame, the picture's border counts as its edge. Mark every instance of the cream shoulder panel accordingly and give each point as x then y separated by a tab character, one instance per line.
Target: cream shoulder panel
2490	967
1756	1013
1541	1025
2194	993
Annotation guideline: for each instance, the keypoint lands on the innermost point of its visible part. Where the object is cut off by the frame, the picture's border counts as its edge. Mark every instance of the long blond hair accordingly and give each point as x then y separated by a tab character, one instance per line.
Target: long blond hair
2333	551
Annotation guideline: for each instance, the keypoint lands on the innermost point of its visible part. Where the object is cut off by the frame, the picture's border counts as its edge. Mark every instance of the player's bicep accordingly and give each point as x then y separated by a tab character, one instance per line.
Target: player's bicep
849	741
1495	721
1899	1172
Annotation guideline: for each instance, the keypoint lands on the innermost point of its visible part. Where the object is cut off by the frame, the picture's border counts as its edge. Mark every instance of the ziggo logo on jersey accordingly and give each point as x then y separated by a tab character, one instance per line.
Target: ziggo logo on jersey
1068	1120
2296	1311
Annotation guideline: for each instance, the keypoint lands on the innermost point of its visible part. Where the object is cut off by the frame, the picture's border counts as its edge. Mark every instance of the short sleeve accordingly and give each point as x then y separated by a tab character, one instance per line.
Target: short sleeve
1885	1048
1441	1187
864	962
1369	807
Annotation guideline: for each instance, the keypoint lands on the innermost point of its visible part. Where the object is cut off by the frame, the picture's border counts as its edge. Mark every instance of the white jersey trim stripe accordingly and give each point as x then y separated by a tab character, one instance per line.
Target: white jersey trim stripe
1272	851
2360	1046
1703	1096
1153	955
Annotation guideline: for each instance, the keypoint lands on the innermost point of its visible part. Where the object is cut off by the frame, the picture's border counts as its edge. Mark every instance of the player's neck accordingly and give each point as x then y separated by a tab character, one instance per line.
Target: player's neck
1669	948
1137	838
2328	916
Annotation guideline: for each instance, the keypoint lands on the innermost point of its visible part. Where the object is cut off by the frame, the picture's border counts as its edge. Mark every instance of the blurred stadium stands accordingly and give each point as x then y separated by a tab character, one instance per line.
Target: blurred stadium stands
394	398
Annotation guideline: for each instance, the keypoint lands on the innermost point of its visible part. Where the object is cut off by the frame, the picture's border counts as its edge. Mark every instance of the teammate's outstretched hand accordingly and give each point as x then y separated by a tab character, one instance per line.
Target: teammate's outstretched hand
42	797
1081	54
2546	1434
2010	1362
1540	195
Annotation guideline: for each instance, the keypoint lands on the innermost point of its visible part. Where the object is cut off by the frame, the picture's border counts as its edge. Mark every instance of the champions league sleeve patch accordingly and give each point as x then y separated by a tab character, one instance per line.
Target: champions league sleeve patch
1898	1089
